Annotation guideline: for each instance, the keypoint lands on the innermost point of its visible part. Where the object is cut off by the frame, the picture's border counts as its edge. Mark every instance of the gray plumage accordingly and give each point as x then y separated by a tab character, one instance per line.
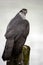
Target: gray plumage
16	34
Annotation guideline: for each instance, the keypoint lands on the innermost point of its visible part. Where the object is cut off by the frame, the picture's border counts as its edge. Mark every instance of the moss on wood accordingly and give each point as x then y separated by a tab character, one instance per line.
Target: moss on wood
23	58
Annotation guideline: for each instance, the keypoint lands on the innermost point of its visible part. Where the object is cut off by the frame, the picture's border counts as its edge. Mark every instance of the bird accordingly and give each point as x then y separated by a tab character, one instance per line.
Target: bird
16	35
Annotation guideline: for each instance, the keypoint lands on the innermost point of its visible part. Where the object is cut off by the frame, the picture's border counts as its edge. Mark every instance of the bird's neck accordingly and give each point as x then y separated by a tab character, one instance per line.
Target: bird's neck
22	15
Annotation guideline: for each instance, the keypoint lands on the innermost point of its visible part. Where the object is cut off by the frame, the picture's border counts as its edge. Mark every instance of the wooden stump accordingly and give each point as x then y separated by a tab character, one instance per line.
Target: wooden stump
23	58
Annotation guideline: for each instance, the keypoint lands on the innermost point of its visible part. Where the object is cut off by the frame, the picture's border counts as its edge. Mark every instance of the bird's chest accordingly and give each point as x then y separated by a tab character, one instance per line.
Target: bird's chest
20	26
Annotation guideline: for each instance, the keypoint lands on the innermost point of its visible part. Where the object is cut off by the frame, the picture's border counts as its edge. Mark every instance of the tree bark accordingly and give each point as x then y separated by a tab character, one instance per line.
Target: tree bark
23	58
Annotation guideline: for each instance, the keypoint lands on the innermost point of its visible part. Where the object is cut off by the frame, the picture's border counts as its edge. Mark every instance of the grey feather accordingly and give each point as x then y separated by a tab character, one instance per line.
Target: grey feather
16	34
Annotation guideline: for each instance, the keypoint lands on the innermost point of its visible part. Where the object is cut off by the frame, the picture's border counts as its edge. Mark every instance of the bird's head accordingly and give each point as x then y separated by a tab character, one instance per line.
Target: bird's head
23	13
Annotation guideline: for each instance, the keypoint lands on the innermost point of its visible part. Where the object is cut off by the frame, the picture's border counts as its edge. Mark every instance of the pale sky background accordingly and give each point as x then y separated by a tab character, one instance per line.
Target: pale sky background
8	9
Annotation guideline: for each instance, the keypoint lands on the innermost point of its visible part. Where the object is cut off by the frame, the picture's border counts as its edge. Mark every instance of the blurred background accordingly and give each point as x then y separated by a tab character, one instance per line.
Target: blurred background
8	9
